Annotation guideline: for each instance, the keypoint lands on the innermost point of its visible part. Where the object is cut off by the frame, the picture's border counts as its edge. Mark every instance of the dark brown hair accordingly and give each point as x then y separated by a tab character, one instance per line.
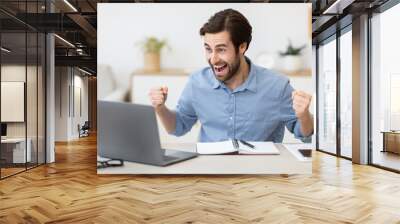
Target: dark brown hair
232	21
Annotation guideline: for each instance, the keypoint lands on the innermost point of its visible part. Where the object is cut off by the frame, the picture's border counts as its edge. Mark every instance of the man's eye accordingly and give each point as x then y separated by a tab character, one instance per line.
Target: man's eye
208	49
221	50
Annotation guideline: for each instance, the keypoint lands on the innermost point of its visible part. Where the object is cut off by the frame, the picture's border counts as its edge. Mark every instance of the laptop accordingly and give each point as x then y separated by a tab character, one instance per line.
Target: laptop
129	132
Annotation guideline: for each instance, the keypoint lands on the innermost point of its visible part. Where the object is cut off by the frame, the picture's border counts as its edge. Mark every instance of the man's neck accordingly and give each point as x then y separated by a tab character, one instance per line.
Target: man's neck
241	75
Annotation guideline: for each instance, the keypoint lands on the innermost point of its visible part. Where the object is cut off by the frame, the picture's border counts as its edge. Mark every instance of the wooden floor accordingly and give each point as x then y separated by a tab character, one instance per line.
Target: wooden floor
5	172
69	191
387	159
10	171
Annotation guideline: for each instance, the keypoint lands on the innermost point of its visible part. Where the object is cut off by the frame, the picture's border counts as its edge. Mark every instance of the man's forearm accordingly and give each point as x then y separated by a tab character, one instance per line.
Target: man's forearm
307	124
168	118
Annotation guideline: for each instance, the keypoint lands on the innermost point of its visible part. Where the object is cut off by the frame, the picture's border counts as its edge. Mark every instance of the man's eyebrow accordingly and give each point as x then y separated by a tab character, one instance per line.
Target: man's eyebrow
221	45
218	45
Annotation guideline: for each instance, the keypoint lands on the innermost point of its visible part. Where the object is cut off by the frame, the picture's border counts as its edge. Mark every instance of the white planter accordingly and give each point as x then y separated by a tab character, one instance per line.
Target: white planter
265	60
292	63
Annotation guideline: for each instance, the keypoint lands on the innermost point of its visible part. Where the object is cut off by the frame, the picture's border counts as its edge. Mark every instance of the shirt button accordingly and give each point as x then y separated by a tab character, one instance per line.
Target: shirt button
230	118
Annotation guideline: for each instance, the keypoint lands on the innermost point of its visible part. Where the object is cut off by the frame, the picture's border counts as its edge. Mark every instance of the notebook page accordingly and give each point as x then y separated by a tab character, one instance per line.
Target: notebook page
215	147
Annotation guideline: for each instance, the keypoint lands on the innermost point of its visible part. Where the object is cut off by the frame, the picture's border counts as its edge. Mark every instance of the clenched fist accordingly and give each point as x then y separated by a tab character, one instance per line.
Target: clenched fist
301	103
158	96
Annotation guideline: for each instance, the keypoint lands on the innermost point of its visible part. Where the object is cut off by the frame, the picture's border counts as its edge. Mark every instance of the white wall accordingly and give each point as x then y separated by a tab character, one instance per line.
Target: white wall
61	103
122	26
18	73
80	83
68	80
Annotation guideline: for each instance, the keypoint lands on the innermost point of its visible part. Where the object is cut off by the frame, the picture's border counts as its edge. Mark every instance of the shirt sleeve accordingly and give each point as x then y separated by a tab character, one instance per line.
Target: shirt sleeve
288	114
185	114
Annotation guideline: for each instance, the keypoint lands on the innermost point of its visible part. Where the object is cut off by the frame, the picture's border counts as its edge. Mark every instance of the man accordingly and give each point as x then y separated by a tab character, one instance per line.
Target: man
234	98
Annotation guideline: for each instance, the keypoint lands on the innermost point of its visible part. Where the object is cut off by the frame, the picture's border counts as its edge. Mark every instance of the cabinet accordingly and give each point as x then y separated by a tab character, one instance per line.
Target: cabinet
391	142
13	150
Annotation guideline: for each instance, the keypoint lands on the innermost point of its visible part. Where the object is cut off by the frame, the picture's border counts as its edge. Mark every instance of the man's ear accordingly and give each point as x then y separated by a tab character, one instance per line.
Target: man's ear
242	47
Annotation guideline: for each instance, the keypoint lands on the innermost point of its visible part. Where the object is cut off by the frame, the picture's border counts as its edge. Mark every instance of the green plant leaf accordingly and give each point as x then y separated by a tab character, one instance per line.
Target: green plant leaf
290	50
153	45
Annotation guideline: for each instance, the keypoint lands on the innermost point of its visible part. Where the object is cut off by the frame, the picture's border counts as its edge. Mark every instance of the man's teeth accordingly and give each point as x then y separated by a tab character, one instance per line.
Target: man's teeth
219	68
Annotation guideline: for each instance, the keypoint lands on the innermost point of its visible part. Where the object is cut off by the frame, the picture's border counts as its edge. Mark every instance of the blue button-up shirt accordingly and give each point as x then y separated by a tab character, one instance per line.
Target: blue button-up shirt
257	110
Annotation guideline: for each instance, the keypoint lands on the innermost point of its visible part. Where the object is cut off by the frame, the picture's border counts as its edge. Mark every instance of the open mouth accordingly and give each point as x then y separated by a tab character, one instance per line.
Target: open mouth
220	68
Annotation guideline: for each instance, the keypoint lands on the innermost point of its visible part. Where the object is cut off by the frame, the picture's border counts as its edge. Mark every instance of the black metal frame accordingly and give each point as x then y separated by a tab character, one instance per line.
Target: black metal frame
26	90
44	75
387	5
317	96
369	79
333	37
0	93
338	75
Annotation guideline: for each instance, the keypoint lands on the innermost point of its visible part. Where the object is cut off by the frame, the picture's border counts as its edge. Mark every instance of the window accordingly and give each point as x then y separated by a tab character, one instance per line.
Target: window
385	89
327	97
346	94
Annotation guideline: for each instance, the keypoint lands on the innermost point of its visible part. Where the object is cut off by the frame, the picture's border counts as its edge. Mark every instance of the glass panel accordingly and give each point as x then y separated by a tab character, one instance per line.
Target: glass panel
13	89
31	101
31	86
327	97
386	89
41	98
23	89
394	101
346	94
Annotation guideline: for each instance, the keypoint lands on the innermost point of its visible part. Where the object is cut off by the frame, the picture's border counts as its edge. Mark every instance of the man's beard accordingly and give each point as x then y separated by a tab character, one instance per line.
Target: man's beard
232	69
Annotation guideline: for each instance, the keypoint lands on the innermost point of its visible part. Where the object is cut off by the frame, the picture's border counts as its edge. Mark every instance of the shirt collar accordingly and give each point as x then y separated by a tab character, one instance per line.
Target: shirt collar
216	83
249	84
251	81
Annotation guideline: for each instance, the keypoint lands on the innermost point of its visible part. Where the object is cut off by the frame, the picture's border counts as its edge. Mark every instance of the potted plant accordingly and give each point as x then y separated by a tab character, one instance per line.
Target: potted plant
292	58
152	48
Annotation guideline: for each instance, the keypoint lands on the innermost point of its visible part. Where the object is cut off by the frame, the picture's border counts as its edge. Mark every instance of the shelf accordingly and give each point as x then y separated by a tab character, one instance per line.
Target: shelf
303	72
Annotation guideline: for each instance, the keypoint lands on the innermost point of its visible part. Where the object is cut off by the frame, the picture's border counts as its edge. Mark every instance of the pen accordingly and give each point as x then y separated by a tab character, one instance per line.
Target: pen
235	144
247	144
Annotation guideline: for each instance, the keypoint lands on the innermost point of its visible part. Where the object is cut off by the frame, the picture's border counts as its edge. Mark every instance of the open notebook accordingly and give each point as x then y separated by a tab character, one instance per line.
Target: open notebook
226	147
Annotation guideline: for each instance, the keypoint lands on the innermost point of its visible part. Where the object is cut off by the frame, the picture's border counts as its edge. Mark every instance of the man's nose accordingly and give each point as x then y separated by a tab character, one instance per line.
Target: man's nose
214	58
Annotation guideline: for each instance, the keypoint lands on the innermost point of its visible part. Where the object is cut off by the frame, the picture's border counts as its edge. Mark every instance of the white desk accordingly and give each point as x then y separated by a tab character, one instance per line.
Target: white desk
284	163
19	149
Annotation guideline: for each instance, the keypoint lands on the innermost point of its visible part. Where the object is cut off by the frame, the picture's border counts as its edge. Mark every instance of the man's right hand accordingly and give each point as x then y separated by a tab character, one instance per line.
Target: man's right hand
158	96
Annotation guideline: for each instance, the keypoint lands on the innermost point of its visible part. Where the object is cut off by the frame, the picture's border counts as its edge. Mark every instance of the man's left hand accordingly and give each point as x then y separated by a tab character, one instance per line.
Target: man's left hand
301	103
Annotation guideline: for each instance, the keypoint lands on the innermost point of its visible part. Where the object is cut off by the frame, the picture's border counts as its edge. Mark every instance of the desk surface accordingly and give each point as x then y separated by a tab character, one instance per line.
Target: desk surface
284	163
13	140
390	132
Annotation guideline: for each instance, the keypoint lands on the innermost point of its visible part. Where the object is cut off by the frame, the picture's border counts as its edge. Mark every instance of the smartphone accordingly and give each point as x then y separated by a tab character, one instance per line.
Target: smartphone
306	152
